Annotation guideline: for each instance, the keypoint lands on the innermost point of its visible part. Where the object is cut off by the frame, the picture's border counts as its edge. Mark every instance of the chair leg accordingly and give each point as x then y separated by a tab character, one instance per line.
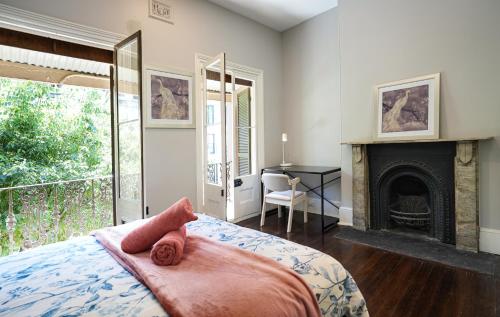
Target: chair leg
306	207
280	213
263	216
290	218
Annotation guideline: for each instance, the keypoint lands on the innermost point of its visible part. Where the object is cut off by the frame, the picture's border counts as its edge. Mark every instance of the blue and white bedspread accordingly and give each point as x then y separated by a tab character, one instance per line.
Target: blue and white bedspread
78	277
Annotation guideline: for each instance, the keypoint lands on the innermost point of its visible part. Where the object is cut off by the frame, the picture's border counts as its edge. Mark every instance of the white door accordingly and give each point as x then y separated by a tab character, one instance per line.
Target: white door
214	137
127	137
245	187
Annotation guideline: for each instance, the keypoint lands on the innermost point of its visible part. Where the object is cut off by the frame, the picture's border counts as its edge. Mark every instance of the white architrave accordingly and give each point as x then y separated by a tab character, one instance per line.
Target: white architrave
47	26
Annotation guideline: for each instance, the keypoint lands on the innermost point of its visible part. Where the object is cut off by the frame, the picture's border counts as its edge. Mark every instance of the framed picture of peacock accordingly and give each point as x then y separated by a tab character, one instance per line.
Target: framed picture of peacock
169	102
408	109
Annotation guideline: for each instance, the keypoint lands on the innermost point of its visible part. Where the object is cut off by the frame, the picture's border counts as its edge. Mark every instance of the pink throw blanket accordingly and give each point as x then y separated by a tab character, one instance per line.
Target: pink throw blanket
142	238
217	280
170	248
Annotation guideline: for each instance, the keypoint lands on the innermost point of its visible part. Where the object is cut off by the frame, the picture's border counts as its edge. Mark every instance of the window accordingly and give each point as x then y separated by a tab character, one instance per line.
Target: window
210	115
211	143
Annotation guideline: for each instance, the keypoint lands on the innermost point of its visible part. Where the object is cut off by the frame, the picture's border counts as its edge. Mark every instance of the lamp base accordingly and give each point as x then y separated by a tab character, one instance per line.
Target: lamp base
286	164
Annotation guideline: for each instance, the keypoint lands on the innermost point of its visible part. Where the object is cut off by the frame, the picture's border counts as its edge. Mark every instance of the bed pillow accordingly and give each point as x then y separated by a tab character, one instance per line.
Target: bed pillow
174	217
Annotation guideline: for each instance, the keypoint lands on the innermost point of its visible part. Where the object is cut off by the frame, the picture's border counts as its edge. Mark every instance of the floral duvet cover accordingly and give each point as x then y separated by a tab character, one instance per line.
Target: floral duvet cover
79	278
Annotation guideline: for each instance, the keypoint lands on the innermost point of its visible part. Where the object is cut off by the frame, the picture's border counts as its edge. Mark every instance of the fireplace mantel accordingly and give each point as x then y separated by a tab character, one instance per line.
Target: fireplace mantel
370	141
466	187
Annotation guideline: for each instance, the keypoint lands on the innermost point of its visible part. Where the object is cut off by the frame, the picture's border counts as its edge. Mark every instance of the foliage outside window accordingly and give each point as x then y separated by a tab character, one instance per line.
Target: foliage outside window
48	134
52	133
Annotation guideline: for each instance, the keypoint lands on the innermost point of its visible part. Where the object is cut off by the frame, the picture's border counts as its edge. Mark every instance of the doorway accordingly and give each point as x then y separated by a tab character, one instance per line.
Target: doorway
230	138
71	129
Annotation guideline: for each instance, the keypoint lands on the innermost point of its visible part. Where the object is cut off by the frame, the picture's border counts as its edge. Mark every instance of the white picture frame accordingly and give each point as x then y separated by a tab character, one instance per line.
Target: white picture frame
408	109
169	99
161	10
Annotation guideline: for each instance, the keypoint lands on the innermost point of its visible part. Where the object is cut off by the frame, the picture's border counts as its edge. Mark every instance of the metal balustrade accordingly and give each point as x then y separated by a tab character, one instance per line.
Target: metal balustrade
35	215
213	172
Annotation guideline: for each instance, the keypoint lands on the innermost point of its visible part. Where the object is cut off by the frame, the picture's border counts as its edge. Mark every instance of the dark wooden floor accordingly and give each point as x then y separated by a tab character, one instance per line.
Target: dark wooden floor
393	284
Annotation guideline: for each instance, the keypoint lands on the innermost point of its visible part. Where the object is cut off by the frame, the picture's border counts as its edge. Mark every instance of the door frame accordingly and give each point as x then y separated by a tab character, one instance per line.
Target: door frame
254	74
41	33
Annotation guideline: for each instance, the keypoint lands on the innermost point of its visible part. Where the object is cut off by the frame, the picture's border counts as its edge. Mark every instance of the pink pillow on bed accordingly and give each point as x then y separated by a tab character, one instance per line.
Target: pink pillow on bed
143	237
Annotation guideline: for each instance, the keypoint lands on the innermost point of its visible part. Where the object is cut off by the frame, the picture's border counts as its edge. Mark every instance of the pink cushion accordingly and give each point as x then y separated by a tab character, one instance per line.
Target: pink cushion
169	249
143	237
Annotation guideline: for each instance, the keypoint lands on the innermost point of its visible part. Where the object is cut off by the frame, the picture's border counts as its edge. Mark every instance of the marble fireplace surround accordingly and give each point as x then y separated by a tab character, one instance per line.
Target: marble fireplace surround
466	188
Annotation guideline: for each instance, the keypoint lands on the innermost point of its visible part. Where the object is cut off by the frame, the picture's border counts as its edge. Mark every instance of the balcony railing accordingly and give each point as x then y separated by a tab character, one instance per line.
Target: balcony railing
35	215
213	172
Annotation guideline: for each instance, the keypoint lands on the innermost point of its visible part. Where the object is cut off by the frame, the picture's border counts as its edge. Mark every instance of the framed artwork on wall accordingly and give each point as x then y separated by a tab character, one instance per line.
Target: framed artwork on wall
169	99
408	109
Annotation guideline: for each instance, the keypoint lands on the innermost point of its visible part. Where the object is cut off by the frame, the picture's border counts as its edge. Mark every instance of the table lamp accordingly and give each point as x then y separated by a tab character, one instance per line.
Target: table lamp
284	139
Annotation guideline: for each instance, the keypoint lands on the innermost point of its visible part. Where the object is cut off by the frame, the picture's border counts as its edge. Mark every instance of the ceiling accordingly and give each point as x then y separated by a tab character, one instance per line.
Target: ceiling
279	15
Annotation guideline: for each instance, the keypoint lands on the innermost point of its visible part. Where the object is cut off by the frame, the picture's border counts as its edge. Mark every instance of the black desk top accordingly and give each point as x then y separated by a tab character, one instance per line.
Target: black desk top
322	170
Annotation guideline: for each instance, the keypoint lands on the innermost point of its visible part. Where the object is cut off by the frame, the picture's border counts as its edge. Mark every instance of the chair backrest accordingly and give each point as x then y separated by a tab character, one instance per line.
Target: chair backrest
276	182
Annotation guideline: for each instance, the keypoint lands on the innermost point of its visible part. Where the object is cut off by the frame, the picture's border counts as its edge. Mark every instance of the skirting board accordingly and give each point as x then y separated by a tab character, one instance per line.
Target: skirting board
345	215
314	207
253	214
489	240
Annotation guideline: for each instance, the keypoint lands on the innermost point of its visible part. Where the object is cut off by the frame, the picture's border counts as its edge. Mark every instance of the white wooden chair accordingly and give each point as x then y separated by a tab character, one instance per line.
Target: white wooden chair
280	190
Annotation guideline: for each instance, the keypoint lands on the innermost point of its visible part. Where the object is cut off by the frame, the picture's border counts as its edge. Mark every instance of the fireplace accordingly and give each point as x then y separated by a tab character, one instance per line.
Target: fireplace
427	188
411	189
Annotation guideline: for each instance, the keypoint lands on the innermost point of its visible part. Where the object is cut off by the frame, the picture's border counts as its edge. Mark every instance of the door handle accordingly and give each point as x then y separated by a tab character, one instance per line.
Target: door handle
238	182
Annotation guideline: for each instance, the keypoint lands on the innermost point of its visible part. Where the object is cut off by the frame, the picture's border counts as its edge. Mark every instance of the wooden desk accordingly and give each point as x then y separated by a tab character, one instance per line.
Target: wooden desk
322	171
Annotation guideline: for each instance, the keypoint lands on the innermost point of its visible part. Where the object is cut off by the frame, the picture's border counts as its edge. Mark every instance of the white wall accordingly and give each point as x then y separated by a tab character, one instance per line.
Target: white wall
200	27
386	40
311	97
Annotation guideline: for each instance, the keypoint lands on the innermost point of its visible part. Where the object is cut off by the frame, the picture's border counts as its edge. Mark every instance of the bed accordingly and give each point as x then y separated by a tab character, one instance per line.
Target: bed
78	277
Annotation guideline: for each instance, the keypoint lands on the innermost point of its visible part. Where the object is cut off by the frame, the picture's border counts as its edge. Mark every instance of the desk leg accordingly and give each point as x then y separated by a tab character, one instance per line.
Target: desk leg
261	188
322	204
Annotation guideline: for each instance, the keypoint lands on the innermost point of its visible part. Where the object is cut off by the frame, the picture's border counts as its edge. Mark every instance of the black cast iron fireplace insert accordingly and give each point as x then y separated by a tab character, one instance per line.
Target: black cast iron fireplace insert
412	189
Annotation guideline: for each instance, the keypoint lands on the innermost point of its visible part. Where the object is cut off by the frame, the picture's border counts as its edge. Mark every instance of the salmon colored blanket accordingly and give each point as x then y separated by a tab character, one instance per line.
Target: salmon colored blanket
217	280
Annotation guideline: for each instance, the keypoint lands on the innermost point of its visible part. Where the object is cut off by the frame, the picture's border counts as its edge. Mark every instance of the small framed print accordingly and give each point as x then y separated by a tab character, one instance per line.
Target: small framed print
169	102
159	9
408	109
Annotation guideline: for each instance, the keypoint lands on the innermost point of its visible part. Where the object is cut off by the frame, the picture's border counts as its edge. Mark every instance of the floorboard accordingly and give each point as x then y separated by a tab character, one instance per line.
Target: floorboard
497	292
395	284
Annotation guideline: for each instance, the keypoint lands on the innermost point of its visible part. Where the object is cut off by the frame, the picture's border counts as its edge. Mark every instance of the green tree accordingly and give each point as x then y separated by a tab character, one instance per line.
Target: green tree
51	132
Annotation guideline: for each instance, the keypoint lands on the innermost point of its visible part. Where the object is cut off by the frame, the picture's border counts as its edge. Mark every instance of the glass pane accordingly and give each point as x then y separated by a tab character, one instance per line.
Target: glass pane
214	143
213	125
129	122
244	132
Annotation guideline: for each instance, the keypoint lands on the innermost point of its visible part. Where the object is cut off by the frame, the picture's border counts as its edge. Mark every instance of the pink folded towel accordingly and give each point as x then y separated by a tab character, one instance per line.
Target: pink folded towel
143	237
170	248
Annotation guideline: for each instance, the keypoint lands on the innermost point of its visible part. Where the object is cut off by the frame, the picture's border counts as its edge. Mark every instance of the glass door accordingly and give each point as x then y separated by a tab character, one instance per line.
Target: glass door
214	138
127	141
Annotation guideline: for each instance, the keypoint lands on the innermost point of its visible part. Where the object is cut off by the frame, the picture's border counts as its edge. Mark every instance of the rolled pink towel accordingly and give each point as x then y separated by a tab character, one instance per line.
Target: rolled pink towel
170	248
143	237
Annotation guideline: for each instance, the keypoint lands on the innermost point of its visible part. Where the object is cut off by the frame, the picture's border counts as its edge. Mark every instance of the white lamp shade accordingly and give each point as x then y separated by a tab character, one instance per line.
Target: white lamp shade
284	137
